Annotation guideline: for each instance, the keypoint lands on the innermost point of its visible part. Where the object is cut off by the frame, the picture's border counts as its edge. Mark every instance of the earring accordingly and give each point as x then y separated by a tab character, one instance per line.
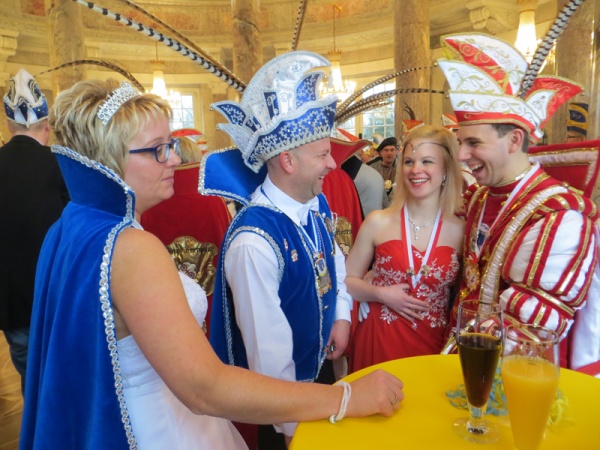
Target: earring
444	180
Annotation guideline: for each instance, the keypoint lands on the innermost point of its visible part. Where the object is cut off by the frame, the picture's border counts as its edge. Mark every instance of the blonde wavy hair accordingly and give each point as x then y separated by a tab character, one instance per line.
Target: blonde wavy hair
451	192
74	120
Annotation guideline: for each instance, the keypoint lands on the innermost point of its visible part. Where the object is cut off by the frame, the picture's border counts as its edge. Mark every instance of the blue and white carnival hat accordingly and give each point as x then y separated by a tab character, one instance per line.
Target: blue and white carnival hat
24	103
279	111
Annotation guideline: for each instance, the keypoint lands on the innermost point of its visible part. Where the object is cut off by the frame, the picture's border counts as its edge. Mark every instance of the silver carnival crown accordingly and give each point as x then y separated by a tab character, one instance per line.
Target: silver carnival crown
114	101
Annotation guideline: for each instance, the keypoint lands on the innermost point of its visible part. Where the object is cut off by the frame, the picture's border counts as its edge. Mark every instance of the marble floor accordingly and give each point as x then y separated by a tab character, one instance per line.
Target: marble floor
11	401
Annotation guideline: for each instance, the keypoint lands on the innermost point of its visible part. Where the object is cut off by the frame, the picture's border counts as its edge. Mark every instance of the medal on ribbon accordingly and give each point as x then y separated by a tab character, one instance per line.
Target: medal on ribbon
320	264
323	277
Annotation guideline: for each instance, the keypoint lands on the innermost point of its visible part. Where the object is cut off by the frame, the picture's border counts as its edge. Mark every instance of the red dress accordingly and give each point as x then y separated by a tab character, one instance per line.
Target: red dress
385	335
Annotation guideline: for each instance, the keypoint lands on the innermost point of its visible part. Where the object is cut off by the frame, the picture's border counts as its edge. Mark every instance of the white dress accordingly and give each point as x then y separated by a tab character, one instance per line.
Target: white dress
159	420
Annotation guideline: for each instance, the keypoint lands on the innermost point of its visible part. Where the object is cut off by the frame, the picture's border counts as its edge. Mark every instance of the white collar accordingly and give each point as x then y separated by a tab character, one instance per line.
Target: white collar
269	194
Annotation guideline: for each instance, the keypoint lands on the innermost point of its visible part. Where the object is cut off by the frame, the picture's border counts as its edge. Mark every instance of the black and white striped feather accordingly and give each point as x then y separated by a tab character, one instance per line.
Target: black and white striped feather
178	35
173	44
299	23
345	104
98	62
541	53
377	100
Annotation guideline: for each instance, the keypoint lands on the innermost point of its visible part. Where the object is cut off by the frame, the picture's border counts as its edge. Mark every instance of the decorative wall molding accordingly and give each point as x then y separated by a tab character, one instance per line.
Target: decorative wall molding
493	16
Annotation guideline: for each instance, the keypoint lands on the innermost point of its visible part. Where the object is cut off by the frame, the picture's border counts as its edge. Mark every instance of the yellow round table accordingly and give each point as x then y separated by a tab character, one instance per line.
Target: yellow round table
424	419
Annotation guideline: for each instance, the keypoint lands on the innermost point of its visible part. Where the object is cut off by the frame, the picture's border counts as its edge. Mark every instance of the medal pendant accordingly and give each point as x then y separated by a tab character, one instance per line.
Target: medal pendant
324	282
321	266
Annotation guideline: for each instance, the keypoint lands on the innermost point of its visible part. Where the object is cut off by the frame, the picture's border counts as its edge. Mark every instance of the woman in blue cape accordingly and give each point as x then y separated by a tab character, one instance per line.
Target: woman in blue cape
118	358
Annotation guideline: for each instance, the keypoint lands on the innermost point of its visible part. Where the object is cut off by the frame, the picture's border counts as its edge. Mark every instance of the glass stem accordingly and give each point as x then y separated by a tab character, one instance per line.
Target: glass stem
476	424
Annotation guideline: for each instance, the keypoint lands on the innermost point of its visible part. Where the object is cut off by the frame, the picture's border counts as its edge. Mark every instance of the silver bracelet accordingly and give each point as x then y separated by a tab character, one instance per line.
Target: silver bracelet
344	404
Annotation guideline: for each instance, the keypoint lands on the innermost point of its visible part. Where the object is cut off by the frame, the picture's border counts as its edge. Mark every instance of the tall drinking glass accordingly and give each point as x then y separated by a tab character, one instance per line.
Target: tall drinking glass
530	371
479	341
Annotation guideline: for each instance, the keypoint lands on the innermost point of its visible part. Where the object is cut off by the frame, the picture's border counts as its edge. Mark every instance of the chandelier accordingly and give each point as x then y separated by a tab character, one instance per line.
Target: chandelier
334	83
159	86
526	41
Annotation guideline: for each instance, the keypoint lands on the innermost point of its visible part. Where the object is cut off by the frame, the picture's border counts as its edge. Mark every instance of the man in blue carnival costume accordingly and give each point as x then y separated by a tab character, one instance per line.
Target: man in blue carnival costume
33	195
280	306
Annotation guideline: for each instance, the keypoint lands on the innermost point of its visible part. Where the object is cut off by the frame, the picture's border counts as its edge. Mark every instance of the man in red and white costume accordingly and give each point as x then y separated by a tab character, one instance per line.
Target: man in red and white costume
530	240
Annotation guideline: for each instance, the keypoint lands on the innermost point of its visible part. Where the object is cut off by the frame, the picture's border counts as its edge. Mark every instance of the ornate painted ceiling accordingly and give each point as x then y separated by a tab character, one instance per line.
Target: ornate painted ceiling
364	30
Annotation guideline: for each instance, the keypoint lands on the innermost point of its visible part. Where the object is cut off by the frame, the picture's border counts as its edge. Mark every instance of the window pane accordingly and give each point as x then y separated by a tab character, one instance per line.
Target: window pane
183	112
380	120
349	126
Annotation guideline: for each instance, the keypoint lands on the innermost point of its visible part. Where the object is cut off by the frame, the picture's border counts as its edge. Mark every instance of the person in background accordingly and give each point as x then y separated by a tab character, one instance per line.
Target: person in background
530	240
192	145
33	195
386	166
369	183
416	247
118	358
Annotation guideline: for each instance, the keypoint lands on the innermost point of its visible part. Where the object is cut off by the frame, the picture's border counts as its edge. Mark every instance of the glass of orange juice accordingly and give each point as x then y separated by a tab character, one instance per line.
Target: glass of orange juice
530	371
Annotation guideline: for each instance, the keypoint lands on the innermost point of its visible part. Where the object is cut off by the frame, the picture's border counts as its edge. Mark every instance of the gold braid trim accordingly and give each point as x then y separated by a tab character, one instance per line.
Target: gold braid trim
544	233
539	293
490	280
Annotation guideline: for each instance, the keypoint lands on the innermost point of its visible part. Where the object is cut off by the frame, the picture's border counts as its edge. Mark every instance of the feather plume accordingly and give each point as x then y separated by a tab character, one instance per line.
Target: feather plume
409	111
376	100
541	53
344	105
99	62
355	112
229	78
179	36
299	23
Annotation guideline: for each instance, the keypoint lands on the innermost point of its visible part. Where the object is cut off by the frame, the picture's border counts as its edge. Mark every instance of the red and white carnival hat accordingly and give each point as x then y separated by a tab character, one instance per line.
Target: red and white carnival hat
449	121
485	76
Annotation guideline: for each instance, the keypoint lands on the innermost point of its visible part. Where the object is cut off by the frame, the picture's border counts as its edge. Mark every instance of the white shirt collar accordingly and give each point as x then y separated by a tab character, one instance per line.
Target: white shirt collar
270	194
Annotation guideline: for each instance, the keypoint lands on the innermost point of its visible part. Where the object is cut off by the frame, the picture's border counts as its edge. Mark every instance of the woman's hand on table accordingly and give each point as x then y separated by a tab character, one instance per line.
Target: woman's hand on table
397	297
378	392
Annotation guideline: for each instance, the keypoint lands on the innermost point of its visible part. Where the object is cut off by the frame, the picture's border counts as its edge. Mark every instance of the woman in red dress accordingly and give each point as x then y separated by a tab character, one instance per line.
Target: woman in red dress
415	247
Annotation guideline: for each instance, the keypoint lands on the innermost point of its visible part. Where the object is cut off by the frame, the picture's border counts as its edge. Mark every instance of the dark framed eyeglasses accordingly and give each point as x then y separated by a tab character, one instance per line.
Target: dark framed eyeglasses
161	151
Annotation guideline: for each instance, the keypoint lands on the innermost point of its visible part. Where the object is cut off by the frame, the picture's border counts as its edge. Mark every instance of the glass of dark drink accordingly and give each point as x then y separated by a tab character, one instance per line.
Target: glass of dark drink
479	341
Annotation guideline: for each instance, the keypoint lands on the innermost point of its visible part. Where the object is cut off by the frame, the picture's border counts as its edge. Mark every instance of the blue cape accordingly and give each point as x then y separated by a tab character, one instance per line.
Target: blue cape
73	393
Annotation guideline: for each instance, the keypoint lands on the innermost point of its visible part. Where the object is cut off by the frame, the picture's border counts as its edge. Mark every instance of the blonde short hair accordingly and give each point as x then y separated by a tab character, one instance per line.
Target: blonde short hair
450	195
190	151
74	120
